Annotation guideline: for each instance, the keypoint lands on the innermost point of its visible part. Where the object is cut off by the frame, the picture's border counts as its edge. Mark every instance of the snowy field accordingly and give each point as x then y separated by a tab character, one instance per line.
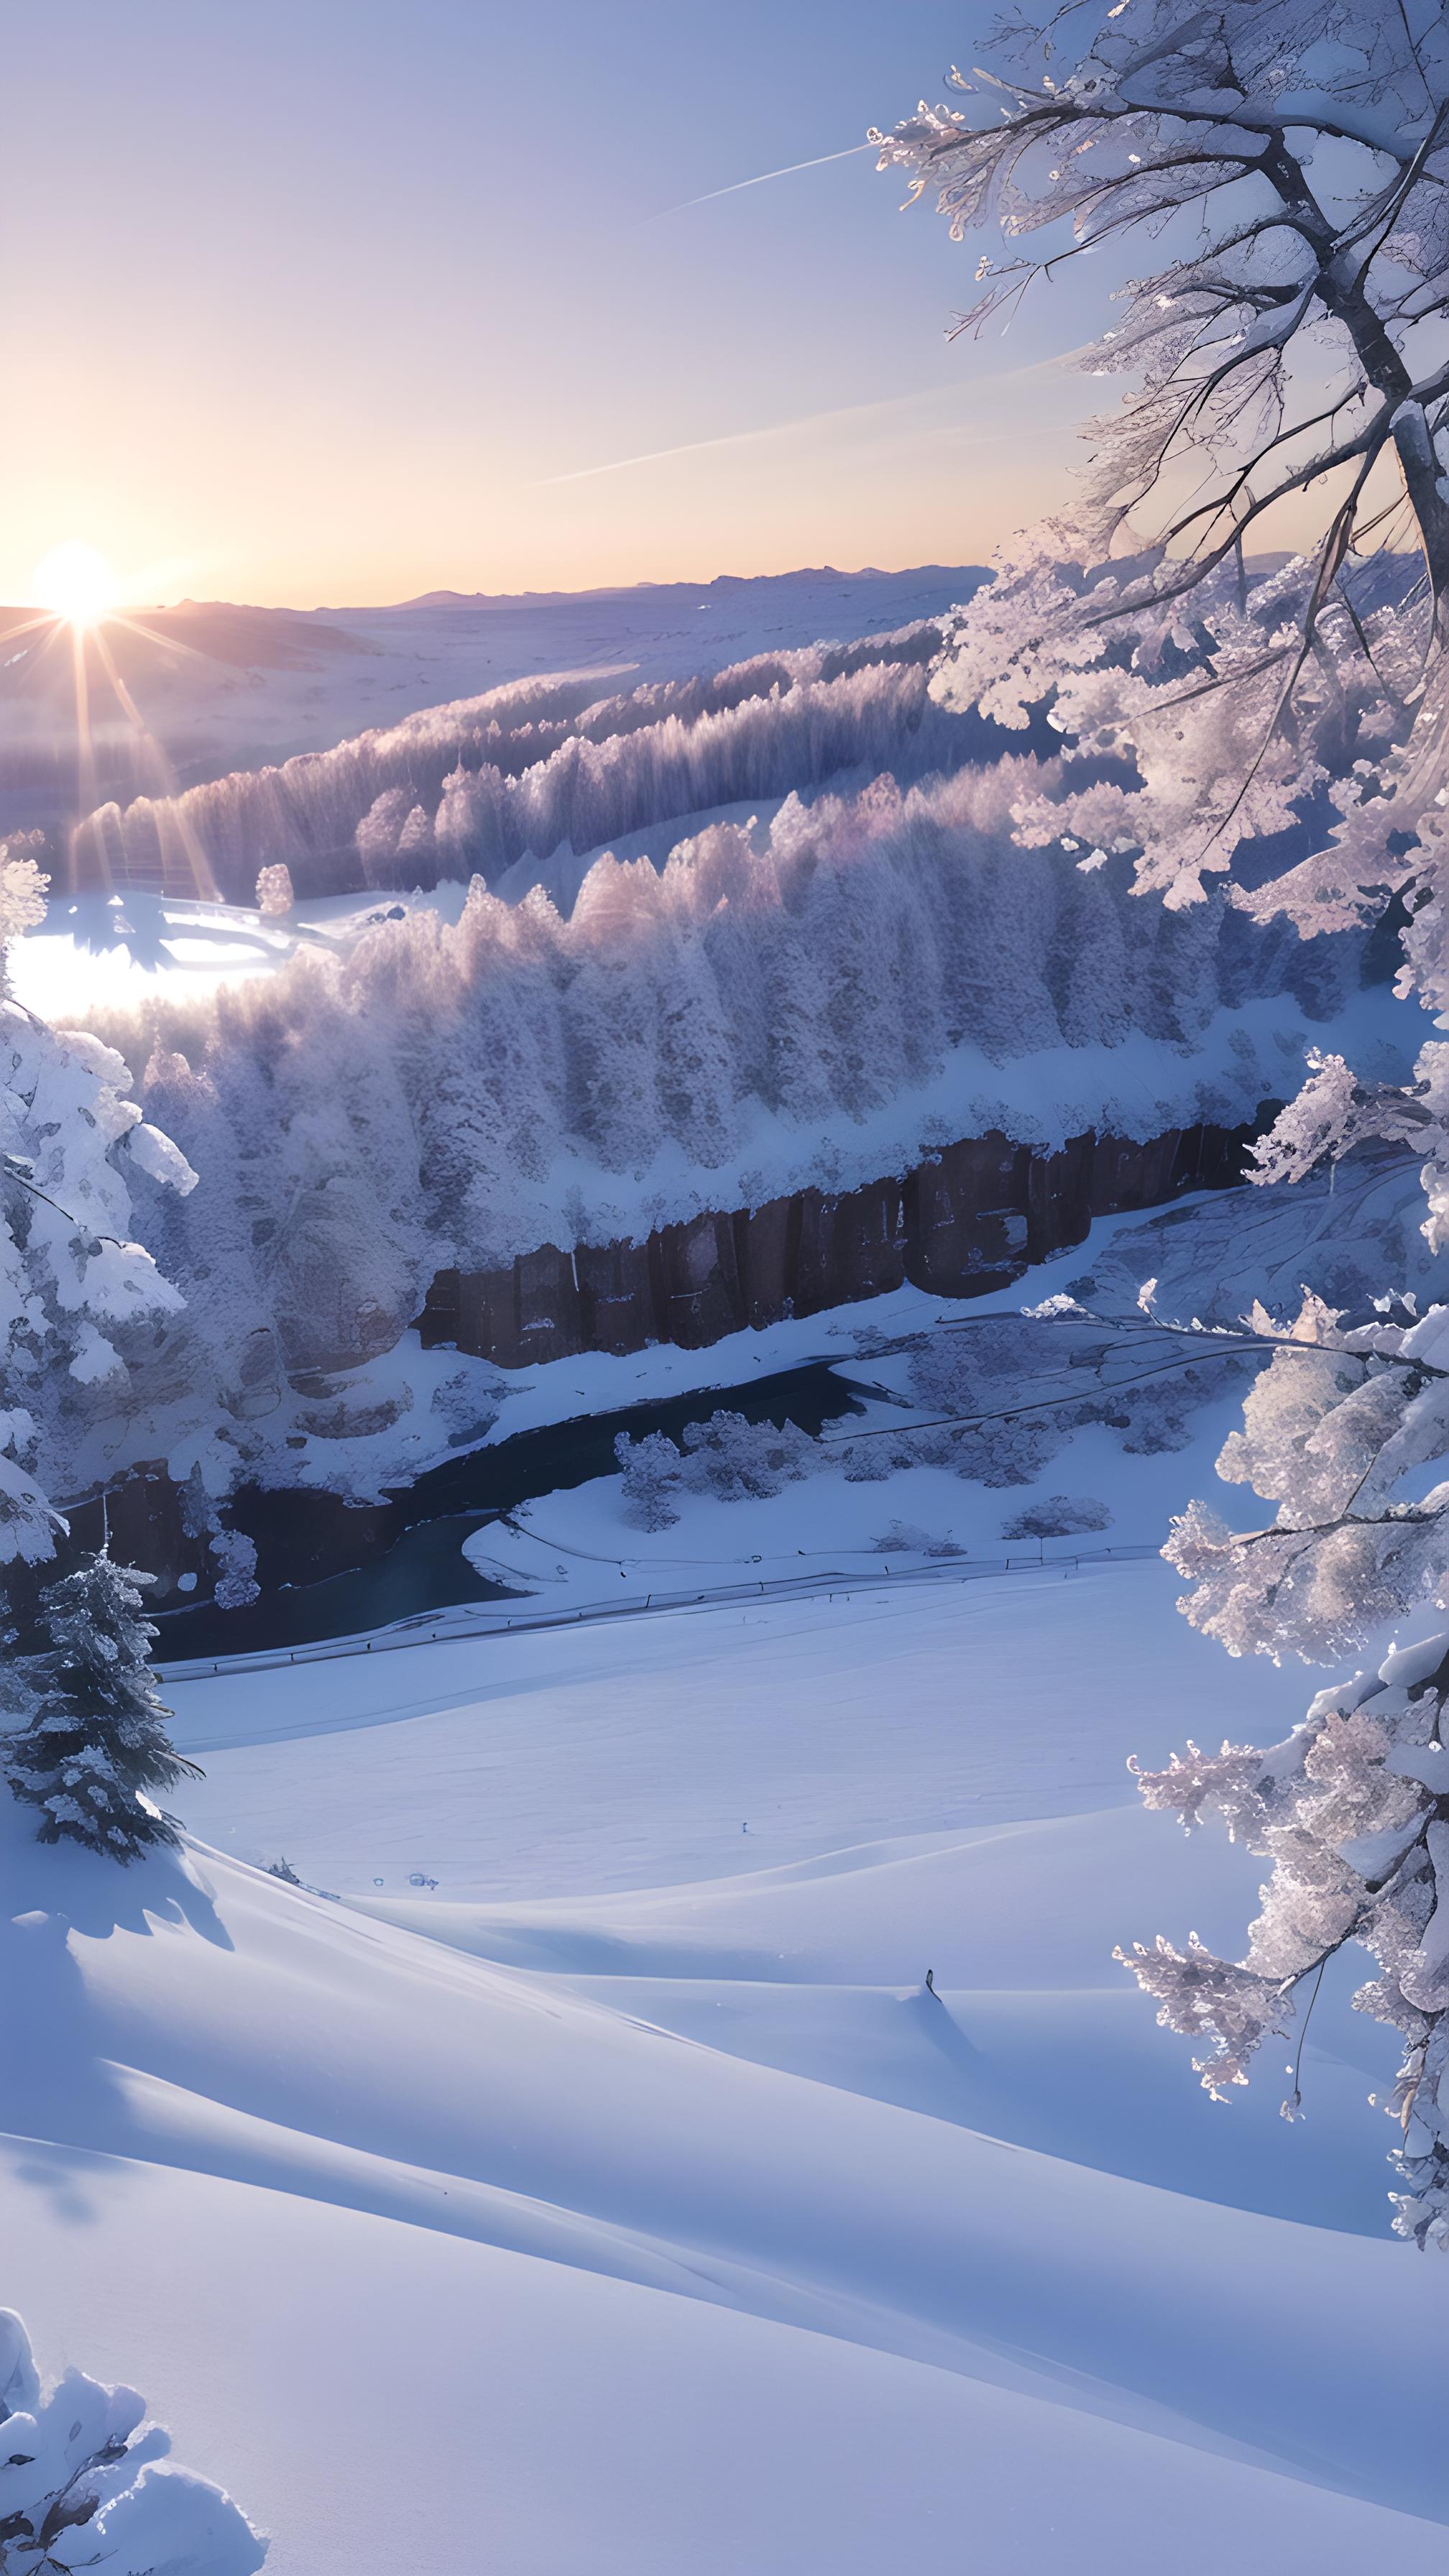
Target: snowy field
626	2203
573	2175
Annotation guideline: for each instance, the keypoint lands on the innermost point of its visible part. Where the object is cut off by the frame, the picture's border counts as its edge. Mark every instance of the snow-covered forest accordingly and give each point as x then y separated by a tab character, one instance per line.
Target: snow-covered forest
1057	983
765	1009
813	998
469	789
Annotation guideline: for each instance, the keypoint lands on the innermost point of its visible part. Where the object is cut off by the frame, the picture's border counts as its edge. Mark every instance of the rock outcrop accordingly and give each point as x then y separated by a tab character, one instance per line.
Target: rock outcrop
968	1220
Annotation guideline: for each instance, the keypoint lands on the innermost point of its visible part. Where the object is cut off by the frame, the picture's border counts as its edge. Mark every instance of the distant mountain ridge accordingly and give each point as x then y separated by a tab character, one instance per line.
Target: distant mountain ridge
642	591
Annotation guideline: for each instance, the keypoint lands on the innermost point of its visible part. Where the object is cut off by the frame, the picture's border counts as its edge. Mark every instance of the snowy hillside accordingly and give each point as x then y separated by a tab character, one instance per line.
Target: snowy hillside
699	2233
598	2113
222	687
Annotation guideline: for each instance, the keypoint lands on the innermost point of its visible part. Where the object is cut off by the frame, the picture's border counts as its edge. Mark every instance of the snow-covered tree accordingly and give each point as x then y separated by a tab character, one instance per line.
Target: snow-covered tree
76	1291
651	1479
1353	1811
378	835
236	1561
1311	145
1288	161
1058	1516
727	1457
1292	155
274	890
85	2483
736	1460
94	1753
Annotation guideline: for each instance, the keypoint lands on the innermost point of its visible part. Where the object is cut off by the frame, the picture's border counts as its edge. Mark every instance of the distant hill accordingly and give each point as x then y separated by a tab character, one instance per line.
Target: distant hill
653	592
219	685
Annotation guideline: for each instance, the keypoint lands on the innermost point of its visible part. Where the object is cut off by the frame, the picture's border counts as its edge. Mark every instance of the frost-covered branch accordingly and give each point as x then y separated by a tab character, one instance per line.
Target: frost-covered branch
76	1289
1288	161
1288	214
1353	1812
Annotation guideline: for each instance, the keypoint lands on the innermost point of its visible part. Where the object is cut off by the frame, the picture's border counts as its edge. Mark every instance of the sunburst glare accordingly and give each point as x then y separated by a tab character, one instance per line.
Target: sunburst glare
77	583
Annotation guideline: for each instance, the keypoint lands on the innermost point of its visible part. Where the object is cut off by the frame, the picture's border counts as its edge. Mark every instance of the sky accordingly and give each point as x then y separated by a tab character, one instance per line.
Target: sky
328	302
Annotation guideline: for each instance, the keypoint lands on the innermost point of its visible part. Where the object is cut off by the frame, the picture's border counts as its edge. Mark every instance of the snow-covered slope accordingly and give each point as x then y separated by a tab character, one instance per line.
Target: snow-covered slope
223	687
603	2232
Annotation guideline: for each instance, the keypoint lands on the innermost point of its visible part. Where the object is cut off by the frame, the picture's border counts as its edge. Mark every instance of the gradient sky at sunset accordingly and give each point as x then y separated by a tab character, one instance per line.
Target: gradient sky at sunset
332	301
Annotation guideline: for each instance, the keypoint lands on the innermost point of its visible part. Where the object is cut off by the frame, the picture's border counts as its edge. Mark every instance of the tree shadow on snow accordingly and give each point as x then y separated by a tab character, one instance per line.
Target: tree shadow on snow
60	2086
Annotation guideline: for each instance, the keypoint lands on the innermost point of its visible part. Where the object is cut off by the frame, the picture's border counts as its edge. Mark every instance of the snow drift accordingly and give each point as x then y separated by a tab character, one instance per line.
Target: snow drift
697	2234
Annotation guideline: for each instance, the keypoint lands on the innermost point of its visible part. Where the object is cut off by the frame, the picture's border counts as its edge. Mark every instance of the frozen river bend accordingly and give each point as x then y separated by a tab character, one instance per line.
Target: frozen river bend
624	2202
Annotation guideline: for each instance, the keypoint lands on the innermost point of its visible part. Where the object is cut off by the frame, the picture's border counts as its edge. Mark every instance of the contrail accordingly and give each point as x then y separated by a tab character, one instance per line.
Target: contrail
727	438
808	420
735	185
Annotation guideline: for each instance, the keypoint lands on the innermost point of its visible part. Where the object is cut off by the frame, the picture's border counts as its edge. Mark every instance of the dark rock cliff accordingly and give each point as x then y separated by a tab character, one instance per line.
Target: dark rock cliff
968	1220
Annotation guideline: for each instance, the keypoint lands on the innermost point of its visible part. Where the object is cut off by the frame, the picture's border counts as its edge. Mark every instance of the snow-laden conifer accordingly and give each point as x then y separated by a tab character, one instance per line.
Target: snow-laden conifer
76	1291
94	1755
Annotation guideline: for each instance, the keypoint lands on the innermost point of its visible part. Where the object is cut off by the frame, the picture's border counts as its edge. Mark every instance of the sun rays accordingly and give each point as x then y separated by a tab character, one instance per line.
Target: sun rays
79	595
77	584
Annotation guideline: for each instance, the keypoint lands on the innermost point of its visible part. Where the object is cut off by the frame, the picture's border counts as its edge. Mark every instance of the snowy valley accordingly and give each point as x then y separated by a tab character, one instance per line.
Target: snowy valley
529	2048
724	1380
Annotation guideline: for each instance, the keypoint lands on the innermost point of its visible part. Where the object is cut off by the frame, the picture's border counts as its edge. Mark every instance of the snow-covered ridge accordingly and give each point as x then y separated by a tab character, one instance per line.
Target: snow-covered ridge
702	2176
473	786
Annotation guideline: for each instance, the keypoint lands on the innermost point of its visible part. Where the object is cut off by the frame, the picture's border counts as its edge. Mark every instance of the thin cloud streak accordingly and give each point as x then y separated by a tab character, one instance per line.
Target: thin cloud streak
759	180
812	420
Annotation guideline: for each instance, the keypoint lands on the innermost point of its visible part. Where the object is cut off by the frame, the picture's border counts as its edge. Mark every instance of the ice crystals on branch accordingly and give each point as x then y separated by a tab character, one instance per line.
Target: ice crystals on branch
1353	1812
1289	161
1337	1430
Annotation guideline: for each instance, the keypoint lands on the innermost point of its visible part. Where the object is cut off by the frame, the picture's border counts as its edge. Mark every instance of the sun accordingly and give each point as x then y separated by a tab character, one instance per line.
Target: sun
76	583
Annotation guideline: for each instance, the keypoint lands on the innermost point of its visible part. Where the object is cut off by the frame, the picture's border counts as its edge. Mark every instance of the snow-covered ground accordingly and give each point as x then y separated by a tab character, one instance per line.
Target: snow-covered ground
108	952
626	2203
573	2175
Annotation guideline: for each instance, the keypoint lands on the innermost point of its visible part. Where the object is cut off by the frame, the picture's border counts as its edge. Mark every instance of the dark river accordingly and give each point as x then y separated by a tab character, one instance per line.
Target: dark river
413	1543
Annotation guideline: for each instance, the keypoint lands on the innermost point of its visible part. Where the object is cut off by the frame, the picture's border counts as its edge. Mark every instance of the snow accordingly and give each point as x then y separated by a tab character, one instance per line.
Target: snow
554	2418
240	687
618	2198
649	1799
575	2173
633	2190
108	952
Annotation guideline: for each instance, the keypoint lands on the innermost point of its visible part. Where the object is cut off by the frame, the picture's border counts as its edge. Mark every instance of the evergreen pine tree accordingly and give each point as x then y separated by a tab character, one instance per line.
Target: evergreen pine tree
96	1751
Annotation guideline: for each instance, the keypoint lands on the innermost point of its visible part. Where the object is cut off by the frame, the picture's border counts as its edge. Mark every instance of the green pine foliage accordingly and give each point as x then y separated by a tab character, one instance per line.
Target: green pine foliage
95	1753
